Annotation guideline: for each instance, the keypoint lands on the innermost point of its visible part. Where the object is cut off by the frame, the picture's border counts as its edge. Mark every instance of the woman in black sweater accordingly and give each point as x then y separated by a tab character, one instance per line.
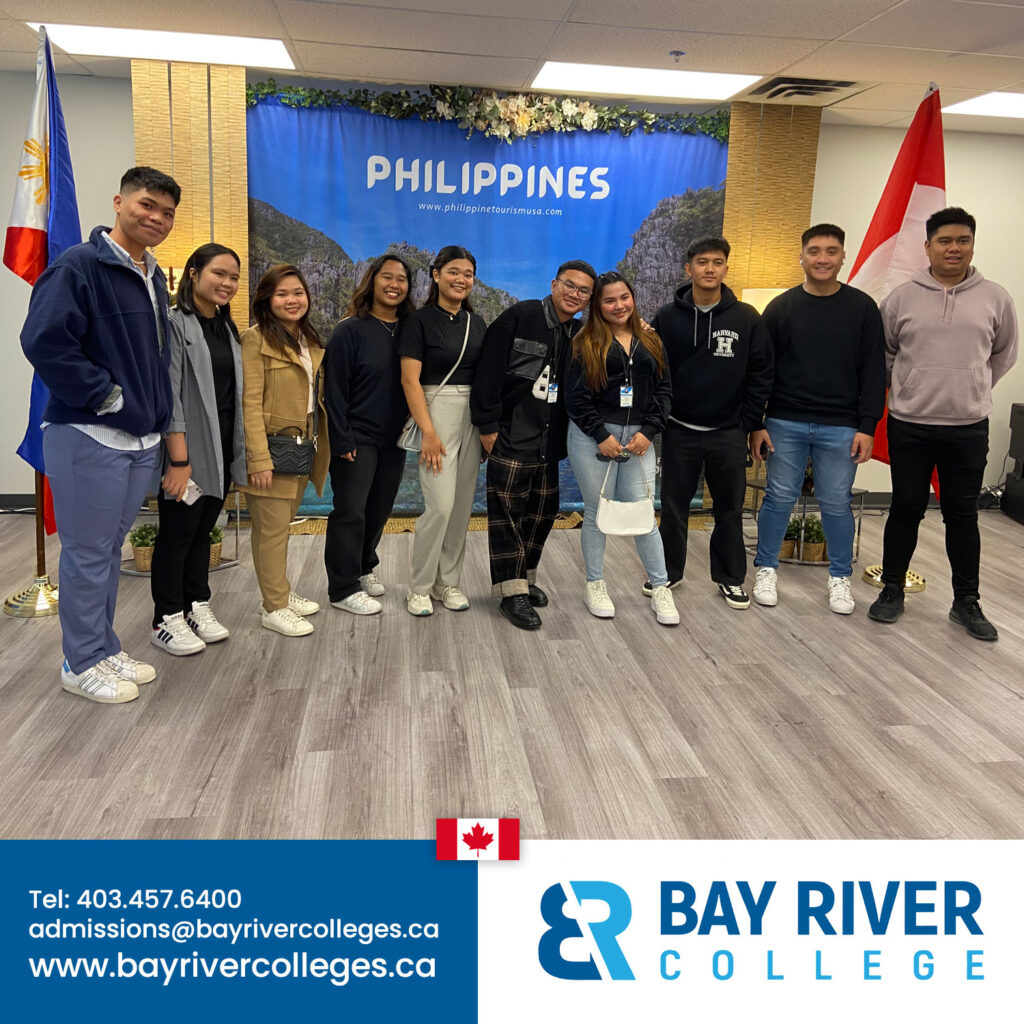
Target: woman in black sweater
365	411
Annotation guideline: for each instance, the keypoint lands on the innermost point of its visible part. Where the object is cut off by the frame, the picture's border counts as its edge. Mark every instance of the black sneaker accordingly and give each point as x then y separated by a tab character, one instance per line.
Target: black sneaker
735	597
648	589
969	615
888	606
537	596
519	612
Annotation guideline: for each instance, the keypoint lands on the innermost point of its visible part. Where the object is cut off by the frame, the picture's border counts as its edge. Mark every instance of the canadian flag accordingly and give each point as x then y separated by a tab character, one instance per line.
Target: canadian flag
893	247
478	839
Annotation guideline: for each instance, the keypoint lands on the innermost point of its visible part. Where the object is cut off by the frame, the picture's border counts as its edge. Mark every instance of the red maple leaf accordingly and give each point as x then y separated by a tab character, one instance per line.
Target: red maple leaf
477	839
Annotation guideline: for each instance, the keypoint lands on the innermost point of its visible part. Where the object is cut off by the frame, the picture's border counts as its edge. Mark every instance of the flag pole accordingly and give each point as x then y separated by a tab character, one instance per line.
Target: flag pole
41	596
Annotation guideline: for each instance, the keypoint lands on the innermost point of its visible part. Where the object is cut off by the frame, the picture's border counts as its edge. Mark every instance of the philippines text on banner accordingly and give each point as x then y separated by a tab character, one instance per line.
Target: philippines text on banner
478	839
44	216
893	247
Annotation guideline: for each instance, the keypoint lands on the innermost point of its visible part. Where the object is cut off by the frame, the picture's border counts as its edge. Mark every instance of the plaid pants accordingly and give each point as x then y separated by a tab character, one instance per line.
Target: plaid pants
522	502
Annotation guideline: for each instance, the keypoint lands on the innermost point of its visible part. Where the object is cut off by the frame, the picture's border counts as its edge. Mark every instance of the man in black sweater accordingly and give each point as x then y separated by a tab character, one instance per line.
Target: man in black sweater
721	376
517	405
827	397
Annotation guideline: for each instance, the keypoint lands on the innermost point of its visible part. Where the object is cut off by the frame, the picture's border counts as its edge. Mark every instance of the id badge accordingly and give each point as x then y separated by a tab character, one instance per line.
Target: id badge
553	392
626	396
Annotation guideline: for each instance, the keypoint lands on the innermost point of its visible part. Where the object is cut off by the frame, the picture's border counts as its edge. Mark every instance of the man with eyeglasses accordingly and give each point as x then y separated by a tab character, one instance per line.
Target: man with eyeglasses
517	405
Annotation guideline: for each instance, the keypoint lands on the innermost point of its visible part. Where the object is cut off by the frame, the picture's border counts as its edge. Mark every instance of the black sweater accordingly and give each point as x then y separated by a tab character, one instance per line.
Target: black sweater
829	354
720	361
363	385
652	395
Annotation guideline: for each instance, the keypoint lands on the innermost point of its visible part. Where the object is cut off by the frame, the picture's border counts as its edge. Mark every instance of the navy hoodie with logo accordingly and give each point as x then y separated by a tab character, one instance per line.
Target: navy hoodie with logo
719	361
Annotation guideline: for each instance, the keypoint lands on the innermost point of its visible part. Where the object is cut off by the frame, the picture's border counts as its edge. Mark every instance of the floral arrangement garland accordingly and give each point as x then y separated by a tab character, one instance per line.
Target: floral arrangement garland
502	117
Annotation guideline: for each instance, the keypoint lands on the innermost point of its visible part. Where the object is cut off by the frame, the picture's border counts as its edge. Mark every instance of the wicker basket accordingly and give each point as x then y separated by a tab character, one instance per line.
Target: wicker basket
215	554
788	549
813	552
143	558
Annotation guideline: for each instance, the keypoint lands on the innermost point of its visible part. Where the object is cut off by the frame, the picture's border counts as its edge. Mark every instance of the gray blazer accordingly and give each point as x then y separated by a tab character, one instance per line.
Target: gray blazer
195	405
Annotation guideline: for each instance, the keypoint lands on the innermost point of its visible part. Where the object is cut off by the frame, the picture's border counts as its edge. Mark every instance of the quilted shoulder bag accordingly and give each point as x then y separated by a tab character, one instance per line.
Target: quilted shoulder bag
293	454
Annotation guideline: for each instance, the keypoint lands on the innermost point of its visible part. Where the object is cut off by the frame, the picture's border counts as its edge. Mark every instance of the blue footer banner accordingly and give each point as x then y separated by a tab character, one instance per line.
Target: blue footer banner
595	930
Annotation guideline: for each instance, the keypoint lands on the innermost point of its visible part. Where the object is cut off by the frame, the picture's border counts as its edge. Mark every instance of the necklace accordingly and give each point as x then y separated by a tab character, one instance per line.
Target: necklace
391	330
451	316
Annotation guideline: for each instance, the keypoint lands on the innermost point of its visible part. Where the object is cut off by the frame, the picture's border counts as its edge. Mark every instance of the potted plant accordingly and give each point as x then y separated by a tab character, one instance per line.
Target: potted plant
216	539
812	548
788	549
142	538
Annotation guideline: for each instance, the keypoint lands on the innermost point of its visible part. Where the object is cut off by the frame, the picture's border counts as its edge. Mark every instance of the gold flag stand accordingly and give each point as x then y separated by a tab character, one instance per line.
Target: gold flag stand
40	597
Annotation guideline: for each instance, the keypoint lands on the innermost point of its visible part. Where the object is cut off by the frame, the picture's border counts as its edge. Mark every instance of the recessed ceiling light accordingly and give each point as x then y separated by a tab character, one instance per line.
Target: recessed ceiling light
99	41
992	104
607	80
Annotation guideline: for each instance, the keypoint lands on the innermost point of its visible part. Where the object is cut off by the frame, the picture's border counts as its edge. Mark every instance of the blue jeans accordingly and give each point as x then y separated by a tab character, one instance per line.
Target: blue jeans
97	492
627	481
834	471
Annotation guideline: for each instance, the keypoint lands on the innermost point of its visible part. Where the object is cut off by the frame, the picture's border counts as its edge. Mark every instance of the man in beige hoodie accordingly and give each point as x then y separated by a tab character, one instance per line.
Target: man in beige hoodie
949	336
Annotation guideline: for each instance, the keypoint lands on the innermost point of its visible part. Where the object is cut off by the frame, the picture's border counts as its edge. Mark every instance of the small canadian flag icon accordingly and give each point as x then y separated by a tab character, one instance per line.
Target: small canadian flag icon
478	839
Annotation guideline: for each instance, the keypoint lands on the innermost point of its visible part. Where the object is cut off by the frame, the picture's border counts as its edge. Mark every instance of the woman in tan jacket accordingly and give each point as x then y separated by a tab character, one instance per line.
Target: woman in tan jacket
280	359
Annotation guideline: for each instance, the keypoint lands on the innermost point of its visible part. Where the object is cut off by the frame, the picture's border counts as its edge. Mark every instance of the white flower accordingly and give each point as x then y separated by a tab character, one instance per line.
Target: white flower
589	121
444	110
569	108
502	130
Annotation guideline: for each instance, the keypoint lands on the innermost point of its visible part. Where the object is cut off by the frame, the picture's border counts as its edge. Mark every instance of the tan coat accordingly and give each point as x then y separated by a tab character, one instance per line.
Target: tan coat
275	397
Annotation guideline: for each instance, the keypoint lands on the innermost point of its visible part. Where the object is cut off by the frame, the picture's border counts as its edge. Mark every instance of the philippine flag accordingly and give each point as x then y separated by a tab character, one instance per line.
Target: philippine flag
478	839
893	247
44	217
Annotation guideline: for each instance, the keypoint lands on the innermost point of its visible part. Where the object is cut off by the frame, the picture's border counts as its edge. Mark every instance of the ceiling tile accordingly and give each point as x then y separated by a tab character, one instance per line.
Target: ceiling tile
820	19
541	10
637	47
415	30
840	115
891	96
16	36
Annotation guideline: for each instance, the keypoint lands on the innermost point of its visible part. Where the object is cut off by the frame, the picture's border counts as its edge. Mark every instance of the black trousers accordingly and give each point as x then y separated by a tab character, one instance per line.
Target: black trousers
959	454
180	573
364	494
722	454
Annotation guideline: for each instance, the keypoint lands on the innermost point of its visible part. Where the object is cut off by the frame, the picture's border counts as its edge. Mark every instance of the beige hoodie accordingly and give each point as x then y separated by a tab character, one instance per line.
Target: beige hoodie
945	348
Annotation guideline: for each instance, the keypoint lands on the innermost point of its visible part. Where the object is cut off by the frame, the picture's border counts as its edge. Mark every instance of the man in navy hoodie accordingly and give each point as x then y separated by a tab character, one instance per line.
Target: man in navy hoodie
717	351
96	334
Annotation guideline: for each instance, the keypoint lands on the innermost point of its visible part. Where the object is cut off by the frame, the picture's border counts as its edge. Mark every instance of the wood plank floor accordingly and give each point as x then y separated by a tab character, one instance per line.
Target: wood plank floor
770	723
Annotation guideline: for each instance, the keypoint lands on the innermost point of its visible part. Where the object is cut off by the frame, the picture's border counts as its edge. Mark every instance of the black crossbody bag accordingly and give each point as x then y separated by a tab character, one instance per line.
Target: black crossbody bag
293	454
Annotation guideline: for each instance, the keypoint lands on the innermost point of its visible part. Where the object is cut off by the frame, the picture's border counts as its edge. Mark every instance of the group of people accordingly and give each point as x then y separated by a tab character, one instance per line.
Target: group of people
140	391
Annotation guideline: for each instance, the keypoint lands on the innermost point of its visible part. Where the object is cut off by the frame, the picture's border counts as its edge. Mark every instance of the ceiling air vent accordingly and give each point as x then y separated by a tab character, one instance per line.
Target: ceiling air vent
808	92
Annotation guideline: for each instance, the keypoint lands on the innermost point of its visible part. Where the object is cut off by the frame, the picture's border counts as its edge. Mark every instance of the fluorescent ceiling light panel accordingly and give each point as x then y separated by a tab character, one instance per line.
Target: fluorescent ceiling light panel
992	104
143	44
607	80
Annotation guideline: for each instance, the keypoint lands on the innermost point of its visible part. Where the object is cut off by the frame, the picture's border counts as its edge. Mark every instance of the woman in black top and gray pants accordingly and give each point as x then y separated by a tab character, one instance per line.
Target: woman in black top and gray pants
365	411
432	341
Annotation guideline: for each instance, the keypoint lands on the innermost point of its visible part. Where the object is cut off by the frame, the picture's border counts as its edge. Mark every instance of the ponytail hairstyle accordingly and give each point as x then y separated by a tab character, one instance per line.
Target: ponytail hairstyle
447	255
273	331
203	255
593	343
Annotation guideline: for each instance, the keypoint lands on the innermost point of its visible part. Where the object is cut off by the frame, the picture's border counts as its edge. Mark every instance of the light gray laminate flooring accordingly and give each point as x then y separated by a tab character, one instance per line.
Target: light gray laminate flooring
789	722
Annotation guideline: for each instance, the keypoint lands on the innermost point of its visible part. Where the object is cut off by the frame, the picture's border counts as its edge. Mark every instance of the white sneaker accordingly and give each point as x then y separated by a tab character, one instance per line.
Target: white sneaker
371	585
766	587
664	606
302	605
452	598
174	636
99	683
359	603
419	604
840	595
595	597
204	624
126	667
286	622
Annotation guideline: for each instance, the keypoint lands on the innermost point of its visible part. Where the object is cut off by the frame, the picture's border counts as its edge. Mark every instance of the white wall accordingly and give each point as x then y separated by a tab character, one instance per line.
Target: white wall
983	175
98	112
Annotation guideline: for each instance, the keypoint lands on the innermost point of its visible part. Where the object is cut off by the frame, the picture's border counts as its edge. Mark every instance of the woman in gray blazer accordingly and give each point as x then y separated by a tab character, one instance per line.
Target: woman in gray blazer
204	449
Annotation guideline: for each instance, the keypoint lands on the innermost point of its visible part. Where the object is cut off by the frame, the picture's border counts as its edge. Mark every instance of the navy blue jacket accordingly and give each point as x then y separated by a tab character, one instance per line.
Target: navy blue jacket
90	326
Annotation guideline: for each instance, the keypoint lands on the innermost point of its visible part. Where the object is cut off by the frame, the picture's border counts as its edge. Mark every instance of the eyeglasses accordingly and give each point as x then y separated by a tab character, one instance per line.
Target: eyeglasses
575	289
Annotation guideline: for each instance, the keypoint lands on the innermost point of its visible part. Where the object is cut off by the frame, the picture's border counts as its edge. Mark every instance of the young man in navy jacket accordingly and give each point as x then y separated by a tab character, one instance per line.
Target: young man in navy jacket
96	334
717	351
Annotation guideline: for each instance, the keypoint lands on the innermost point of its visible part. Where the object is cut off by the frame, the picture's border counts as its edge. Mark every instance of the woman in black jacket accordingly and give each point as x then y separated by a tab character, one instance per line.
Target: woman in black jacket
618	395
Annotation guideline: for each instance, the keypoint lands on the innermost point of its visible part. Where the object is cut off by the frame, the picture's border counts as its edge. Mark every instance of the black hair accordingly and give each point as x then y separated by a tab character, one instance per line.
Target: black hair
151	180
581	265
709	243
447	255
183	299
362	298
822	231
950	215
273	331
